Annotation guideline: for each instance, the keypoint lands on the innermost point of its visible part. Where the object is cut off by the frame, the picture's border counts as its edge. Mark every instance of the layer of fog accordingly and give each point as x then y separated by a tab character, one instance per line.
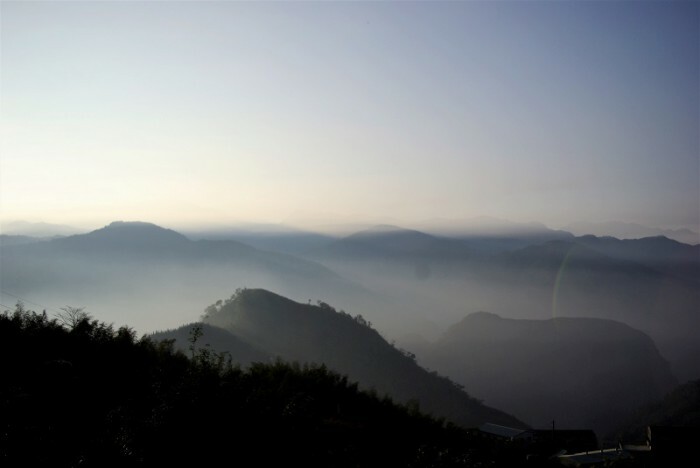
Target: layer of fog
410	285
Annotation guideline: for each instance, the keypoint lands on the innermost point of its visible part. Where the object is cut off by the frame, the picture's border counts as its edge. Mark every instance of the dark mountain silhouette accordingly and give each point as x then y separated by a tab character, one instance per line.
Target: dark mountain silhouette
214	338
145	241
580	372
127	239
155	278
575	280
320	334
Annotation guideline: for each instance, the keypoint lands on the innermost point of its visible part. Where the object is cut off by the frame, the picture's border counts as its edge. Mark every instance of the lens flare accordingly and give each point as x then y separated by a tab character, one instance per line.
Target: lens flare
558	280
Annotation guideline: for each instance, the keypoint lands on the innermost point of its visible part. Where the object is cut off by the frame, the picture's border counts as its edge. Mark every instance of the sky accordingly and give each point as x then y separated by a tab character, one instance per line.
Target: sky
299	112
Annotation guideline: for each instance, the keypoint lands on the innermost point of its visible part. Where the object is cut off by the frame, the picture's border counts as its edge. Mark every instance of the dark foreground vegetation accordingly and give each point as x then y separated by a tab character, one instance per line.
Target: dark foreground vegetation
77	392
680	408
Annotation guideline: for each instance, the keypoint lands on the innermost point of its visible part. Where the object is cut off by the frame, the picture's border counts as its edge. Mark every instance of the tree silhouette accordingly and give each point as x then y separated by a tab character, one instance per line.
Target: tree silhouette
70	317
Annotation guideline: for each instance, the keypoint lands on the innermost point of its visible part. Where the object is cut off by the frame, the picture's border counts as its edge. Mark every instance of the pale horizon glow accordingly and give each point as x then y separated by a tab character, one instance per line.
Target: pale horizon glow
211	113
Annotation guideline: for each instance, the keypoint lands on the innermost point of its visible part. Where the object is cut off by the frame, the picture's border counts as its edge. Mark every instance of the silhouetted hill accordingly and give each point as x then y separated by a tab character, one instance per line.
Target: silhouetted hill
576	280
129	241
90	395
215	338
395	252
320	334
273	237
397	243
122	241
580	372
126	238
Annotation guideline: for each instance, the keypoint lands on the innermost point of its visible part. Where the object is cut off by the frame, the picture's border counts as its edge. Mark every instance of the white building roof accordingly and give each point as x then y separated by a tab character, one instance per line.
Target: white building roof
501	431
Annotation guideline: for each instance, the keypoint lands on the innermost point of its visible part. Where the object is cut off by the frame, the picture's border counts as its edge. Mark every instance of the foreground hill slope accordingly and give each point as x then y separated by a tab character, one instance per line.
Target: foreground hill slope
320	334
90	395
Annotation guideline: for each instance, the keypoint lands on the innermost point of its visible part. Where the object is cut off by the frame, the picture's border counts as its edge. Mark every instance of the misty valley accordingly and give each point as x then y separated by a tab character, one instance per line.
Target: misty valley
352	234
447	340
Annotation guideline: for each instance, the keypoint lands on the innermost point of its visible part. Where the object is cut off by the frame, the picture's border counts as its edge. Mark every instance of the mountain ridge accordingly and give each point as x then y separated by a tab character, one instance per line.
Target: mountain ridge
125	267
321	334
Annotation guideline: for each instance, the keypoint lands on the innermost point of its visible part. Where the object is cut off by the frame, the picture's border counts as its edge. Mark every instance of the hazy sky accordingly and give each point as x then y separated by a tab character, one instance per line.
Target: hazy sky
177	112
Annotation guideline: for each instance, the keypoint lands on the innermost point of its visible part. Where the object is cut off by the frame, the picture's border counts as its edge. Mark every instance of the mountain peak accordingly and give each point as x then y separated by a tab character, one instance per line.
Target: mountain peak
133	225
140	229
141	226
389	236
131	234
388	229
318	333
130	223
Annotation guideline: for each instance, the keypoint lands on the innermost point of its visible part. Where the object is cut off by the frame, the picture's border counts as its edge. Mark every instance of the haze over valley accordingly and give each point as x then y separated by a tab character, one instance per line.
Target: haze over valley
573	312
471	224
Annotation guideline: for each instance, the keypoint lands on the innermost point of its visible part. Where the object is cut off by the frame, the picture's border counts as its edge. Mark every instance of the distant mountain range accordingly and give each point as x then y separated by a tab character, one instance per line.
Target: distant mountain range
122	242
394	243
259	320
633	231
653	284
128	268
661	253
25	228
406	281
476	227
579	372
